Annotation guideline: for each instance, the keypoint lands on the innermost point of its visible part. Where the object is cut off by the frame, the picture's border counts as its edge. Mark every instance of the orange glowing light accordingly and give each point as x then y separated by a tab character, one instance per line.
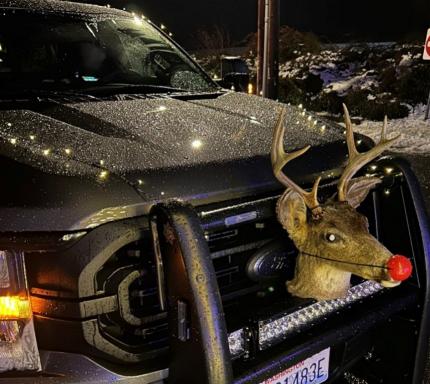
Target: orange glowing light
250	89
14	308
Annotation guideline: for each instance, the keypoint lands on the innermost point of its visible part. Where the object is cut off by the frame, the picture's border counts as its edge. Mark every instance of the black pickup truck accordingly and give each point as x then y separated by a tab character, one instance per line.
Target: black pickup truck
139	240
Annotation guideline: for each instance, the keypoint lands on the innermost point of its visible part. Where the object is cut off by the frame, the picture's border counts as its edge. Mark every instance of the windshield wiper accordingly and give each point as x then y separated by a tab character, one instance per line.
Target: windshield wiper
34	94
117	88
95	92
100	90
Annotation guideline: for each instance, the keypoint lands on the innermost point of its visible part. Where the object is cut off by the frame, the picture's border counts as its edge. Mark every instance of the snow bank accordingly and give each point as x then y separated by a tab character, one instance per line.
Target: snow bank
365	80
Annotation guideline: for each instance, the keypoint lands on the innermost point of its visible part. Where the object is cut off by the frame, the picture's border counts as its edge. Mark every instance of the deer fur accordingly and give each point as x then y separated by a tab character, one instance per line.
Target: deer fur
320	278
333	238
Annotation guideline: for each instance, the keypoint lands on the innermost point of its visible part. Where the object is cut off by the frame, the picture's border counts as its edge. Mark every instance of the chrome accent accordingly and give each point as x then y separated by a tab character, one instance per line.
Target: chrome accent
124	299
217	236
239	248
240	218
223	209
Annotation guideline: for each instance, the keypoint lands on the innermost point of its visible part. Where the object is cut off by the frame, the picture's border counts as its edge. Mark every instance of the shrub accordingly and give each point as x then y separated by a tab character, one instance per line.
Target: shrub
377	110
328	102
359	105
289	92
388	79
357	102
293	43
311	84
414	85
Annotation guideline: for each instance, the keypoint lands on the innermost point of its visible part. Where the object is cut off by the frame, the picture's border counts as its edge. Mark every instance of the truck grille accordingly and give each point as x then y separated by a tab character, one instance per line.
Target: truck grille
141	324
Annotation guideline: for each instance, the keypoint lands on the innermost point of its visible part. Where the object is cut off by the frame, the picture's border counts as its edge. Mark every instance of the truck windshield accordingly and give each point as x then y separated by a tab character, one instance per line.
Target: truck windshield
65	53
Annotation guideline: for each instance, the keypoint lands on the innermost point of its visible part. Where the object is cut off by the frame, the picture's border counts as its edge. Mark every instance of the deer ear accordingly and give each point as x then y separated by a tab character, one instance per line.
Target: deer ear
358	189
292	213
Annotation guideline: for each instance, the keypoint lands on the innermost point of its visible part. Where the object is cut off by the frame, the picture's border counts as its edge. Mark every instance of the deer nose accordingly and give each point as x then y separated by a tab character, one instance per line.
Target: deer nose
399	267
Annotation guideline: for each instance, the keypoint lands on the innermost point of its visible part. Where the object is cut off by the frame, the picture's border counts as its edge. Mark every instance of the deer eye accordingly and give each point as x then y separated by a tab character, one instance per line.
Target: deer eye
330	237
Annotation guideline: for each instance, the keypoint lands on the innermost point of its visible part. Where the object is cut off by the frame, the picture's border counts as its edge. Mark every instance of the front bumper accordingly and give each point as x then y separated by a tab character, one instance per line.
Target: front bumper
190	280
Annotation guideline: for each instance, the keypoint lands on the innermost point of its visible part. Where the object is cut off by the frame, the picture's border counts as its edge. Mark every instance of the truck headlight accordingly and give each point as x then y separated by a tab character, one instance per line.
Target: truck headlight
18	346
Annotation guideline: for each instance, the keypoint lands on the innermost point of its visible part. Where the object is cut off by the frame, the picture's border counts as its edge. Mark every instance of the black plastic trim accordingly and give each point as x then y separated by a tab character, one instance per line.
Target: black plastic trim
422	216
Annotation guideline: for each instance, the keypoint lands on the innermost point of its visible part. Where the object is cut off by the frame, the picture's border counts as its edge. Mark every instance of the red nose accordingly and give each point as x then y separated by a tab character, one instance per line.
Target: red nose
399	267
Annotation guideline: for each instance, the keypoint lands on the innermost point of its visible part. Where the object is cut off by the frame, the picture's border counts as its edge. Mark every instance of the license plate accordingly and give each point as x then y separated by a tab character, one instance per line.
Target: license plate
313	370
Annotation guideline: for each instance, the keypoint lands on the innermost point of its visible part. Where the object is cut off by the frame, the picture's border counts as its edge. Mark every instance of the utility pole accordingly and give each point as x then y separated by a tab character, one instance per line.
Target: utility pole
260	46
268	48
274	25
266	64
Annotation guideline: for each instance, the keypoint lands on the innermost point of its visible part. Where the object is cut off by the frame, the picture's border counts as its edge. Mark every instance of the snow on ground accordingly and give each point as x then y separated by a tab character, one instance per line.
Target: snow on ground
324	62
381	71
360	81
415	132
337	76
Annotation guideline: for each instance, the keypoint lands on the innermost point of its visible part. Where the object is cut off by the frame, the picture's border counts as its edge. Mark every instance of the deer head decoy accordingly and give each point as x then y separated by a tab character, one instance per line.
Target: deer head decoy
333	238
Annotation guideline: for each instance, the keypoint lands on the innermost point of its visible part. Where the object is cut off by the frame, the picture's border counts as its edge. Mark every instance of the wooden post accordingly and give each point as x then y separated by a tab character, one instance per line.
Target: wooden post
266	59
268	48
260	46
273	69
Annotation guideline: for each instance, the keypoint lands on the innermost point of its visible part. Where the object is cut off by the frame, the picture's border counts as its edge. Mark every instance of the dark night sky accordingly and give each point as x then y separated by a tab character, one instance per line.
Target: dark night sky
334	19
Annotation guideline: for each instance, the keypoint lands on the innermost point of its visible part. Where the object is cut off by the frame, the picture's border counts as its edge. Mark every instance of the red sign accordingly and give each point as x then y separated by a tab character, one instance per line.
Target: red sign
426	55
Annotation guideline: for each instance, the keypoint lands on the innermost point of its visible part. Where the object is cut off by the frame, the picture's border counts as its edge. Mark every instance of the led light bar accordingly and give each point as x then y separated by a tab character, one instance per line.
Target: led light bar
272	332
18	346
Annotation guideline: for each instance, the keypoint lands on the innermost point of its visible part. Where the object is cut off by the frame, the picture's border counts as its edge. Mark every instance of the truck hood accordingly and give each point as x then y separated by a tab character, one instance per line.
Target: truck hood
201	150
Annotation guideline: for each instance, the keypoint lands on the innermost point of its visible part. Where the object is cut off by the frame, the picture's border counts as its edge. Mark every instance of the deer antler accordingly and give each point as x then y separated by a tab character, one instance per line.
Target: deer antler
358	160
280	158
